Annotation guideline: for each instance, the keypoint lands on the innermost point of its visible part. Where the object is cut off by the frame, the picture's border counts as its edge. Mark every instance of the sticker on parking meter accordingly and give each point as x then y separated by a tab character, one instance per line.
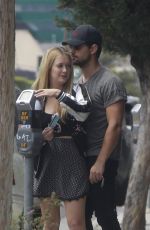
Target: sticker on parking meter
24	140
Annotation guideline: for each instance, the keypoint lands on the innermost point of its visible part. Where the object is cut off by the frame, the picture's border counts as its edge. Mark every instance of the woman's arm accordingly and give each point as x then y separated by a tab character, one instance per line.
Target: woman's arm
78	105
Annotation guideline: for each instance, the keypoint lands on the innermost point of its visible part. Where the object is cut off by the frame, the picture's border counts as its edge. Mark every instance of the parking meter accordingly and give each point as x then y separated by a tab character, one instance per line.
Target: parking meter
29	142
29	138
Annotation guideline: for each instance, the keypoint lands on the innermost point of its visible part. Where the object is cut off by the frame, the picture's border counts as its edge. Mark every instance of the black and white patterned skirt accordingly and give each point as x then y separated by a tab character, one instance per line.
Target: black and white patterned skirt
60	169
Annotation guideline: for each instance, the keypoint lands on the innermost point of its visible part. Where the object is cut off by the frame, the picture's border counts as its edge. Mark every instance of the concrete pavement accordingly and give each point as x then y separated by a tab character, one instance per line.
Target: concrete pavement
120	210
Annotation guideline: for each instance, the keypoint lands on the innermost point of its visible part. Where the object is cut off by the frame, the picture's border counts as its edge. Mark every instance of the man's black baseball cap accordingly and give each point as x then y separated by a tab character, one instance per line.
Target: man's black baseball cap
84	34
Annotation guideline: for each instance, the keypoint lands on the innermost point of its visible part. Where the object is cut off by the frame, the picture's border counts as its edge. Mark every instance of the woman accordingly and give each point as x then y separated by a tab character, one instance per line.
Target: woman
60	169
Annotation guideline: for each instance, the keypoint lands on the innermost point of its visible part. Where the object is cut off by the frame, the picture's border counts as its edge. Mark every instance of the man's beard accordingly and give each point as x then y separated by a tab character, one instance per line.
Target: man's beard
81	63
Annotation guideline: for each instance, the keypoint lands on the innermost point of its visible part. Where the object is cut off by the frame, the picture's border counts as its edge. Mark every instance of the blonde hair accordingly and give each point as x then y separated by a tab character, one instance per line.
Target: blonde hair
42	81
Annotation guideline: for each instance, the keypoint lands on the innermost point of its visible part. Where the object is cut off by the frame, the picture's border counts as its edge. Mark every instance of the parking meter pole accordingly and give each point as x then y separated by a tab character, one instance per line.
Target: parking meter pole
28	193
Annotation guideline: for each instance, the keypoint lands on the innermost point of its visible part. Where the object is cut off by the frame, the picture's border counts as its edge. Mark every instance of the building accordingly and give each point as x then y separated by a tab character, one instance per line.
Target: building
39	16
36	31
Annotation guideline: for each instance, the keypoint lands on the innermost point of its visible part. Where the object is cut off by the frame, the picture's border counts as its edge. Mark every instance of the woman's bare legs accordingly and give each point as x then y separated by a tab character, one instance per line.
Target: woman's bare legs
75	213
50	214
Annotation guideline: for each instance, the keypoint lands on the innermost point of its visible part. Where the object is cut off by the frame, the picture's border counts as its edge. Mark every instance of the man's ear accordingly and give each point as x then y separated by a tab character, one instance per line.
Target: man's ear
94	48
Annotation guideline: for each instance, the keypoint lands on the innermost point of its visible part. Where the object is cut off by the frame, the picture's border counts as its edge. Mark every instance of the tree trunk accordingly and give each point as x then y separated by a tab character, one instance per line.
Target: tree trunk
135	205
7	52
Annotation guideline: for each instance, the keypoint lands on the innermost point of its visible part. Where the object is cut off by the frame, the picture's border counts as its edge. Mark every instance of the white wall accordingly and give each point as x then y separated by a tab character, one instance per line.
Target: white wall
27	51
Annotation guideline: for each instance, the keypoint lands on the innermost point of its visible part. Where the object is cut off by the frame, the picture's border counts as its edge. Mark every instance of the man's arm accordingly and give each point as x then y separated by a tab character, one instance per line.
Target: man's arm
78	106
114	113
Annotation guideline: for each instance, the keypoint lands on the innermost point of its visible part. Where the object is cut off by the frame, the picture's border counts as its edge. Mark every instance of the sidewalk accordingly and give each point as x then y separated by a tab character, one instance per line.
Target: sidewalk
63	225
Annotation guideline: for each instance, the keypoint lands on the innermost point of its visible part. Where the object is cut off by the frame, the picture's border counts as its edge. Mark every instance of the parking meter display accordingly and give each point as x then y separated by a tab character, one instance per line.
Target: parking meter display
26	100
26	96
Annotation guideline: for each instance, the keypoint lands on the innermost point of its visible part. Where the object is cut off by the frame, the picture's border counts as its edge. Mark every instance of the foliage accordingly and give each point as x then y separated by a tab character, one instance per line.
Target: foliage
131	83
18	223
35	217
23	83
124	24
120	65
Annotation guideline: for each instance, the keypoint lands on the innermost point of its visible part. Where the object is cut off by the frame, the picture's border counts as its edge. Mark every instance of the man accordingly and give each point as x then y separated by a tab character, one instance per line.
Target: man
103	125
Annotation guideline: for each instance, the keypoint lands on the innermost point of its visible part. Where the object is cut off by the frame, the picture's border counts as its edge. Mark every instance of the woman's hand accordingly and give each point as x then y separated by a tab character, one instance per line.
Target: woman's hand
48	134
47	92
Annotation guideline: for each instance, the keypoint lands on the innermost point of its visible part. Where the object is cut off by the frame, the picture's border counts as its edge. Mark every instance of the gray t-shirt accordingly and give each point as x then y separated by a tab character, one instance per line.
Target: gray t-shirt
104	89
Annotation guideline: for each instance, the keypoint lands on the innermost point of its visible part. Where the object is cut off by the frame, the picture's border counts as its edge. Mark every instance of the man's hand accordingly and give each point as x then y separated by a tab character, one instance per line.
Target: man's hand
96	172
48	134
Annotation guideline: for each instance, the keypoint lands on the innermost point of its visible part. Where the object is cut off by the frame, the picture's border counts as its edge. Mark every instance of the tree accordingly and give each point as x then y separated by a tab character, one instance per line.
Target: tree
7	51
125	26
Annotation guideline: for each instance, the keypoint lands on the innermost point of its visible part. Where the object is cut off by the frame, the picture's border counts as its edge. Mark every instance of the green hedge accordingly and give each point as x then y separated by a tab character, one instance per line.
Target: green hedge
23	83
